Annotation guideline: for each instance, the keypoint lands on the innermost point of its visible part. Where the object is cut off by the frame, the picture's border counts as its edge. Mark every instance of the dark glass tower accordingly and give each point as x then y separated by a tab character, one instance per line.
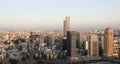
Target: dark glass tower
71	45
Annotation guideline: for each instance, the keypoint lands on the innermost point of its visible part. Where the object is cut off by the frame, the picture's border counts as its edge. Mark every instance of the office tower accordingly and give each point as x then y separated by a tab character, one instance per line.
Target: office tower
64	44
66	28
66	25
101	45
108	42
31	54
116	45
78	40
102	41
71	45
48	40
93	45
85	45
53	39
85	48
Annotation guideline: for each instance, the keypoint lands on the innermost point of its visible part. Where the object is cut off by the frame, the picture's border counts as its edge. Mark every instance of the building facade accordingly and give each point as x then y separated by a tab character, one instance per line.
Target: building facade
66	25
108	42
71	45
93	45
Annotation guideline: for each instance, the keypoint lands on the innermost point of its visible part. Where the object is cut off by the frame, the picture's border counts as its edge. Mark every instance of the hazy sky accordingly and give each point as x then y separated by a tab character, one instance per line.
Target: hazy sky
49	14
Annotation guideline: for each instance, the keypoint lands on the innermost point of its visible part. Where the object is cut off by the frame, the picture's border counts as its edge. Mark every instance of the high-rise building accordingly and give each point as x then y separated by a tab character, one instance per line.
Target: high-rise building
101	44
85	45
50	39
64	43
53	39
108	42
78	40
66	25
116	45
66	28
31	54
93	45
71	45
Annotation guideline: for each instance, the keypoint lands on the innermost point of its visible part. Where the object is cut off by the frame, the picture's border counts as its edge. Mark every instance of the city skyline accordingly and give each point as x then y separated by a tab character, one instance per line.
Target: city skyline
39	15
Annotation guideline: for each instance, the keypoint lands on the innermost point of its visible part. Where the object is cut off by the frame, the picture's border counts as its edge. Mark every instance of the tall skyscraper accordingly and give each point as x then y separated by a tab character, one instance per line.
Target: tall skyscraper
93	45
71	45
66	25
108	42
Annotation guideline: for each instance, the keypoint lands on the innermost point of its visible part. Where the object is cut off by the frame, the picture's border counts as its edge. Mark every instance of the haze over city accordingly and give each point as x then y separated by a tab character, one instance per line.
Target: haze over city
41	14
59	32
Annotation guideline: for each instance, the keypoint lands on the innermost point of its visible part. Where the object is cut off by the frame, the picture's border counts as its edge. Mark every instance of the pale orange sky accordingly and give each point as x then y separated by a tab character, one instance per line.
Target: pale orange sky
84	14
